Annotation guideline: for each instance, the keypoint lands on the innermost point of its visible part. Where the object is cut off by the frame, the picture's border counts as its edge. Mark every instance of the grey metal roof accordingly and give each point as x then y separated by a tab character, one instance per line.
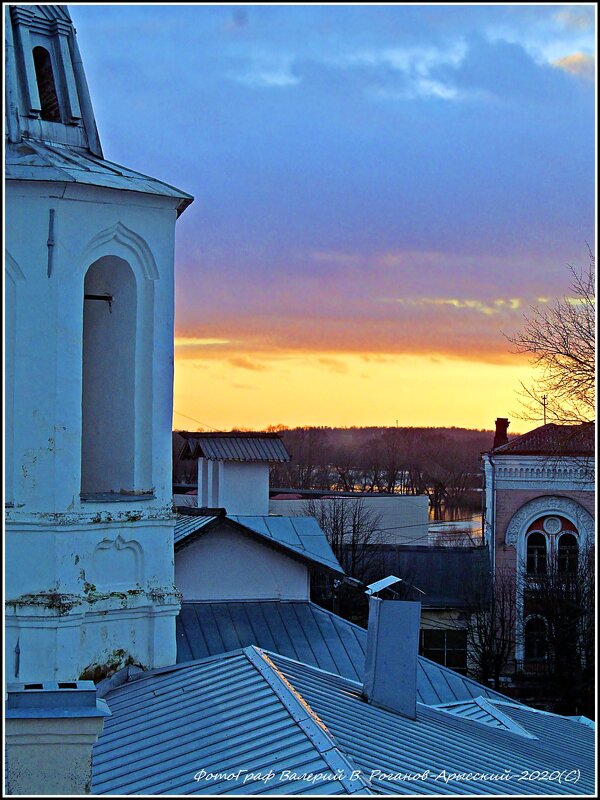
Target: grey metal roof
32	160
221	715
235	446
187	525
450	577
487	711
260	712
300	536
302	630
438	743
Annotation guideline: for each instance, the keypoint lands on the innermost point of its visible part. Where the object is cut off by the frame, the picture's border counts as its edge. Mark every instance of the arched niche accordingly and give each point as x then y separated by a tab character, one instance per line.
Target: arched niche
118	243
13	277
108	446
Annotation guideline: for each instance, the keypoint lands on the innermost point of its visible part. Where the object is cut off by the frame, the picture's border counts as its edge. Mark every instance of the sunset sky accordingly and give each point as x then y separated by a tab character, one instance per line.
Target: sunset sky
380	192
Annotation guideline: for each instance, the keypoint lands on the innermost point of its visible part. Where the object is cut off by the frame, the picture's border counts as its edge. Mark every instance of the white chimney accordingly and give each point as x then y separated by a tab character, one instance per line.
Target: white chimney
50	731
242	488
390	676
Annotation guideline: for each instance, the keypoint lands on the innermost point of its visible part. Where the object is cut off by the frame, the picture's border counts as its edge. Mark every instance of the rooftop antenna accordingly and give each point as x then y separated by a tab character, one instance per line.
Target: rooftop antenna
544	403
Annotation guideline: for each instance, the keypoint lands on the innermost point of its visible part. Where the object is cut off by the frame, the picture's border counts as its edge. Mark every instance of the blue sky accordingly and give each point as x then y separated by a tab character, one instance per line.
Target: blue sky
374	180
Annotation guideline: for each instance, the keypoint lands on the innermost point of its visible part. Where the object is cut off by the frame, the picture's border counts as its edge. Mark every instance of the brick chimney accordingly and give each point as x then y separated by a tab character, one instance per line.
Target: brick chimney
501	434
50	731
390	677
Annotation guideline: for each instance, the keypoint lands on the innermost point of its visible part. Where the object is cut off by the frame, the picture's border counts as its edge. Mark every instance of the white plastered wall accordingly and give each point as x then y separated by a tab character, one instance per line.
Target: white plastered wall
227	565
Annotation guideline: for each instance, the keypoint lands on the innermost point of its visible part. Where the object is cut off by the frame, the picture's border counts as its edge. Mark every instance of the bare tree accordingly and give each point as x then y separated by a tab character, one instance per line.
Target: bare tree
352	530
561	341
491	627
564	597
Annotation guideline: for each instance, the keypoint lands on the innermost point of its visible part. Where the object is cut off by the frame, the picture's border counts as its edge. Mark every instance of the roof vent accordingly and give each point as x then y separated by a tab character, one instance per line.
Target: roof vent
51	699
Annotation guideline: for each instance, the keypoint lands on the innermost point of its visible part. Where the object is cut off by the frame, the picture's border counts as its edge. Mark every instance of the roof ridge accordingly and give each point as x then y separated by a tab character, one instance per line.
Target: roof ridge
268	653
487	705
304	716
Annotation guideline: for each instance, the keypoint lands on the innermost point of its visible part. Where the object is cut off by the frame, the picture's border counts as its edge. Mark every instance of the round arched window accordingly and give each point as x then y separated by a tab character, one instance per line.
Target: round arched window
568	553
536	553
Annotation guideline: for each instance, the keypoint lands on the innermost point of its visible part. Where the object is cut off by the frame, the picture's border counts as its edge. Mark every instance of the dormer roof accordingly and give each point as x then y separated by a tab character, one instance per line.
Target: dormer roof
234	446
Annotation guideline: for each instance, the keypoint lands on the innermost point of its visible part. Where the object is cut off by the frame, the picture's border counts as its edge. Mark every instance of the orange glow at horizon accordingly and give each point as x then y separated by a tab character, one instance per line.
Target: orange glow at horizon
343	391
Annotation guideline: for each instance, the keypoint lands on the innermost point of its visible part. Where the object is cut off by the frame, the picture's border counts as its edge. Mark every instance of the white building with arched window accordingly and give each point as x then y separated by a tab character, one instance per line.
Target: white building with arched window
89	369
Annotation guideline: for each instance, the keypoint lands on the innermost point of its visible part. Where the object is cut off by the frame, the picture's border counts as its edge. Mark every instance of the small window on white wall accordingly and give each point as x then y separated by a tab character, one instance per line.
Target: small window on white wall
108	443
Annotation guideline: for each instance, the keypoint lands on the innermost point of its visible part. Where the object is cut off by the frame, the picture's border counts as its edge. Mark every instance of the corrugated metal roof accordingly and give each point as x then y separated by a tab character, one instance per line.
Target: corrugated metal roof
256	711
235	446
301	535
485	711
304	631
39	161
438	743
186	525
220	715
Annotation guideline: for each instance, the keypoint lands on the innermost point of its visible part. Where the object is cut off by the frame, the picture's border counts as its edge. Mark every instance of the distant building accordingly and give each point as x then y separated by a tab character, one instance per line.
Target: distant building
401	519
539	514
451	583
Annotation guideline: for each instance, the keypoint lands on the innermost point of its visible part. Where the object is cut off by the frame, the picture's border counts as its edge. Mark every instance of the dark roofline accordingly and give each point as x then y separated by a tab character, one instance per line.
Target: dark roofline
327	493
227	435
508	448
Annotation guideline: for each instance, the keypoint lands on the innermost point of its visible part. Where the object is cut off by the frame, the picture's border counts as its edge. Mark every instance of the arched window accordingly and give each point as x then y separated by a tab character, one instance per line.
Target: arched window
535	639
108	444
536	554
46	87
568	552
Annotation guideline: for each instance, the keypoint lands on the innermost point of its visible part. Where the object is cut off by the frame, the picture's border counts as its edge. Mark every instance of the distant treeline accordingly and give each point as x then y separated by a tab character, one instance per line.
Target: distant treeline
443	463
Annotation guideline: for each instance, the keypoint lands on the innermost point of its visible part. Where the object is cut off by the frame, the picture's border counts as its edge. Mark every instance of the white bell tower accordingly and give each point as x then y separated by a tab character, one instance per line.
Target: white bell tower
89	369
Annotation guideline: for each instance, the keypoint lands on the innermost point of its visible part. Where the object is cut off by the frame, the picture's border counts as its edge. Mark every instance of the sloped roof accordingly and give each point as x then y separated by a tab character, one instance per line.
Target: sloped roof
40	161
302	630
300	536
188	525
450	577
552	440
254	711
235	446
220	715
439	743
487	711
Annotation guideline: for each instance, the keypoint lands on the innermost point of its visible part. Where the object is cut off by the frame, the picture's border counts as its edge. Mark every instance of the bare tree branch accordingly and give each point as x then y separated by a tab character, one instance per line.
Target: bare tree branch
560	340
